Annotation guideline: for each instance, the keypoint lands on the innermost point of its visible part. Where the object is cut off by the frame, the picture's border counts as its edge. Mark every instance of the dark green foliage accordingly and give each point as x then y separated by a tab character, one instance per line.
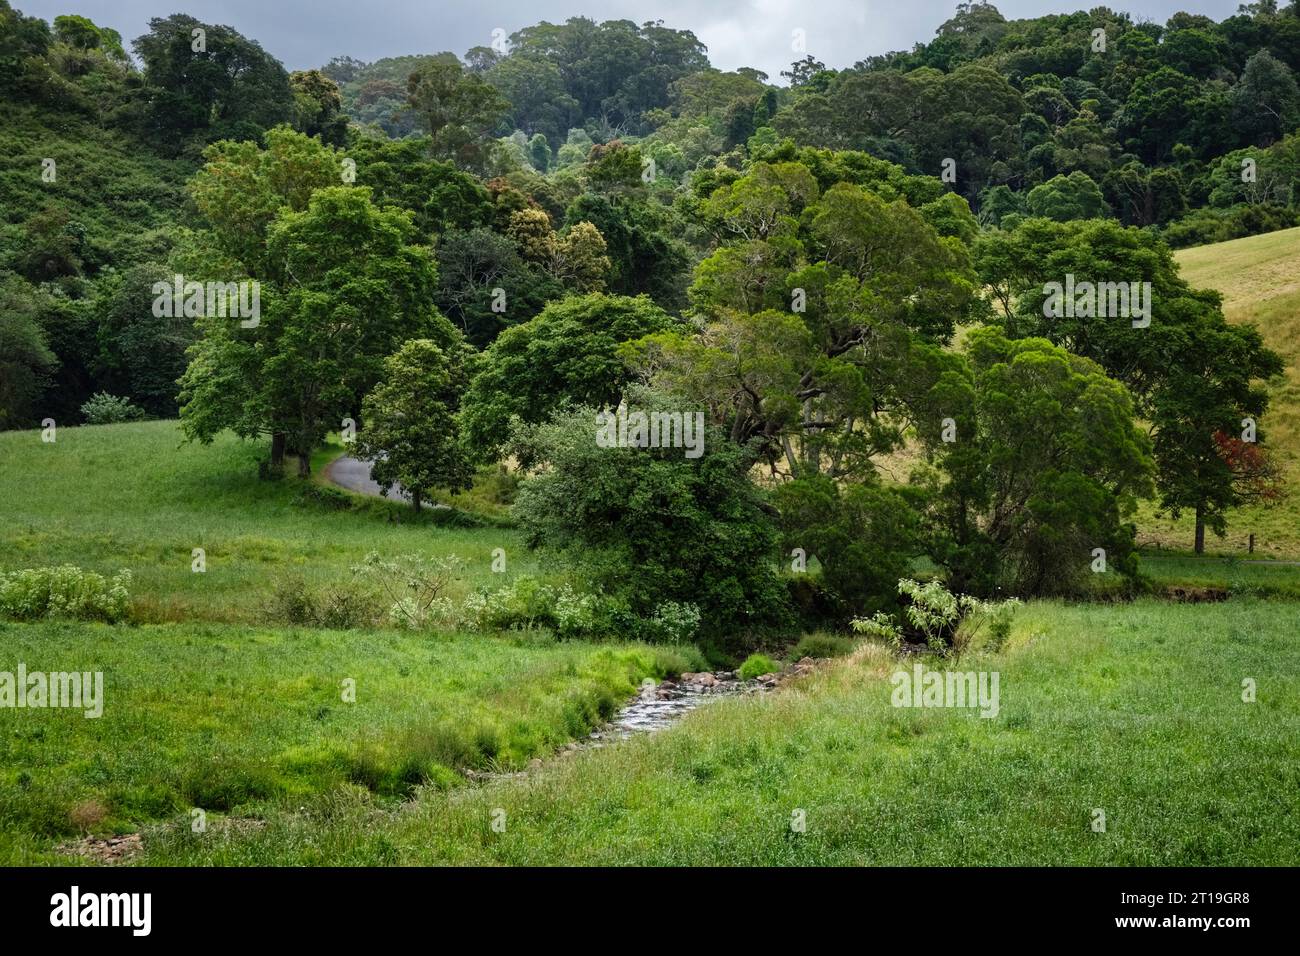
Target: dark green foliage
568	353
864	536
1067	197
647	259
25	358
1019	103
440	197
458	110
140	353
472	266
318	107
231	89
409	429
1041	464
651	525
1191	373
581	70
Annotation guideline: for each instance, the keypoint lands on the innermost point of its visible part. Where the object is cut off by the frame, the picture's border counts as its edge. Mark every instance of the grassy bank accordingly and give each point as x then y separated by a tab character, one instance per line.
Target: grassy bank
242	720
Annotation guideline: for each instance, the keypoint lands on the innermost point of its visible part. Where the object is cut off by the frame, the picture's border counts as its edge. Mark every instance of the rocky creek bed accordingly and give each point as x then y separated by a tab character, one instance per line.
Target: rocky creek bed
661	705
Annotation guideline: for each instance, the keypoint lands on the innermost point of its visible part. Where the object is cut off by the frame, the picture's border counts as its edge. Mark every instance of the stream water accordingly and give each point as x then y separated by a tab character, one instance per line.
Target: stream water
662	705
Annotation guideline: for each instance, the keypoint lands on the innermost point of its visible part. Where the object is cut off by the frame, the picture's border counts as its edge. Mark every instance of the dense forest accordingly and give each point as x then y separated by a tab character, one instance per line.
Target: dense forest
838	267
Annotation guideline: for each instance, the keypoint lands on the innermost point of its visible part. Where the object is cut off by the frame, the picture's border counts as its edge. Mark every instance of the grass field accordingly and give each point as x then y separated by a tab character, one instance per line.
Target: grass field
1259	277
241	720
1135	710
136	497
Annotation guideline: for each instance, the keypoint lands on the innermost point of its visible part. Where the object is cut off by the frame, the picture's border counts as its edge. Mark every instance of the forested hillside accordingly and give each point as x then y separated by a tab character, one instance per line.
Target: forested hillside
586	208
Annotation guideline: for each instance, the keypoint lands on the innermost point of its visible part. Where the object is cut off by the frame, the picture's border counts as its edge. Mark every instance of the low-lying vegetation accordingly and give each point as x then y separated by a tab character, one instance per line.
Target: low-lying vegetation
239	720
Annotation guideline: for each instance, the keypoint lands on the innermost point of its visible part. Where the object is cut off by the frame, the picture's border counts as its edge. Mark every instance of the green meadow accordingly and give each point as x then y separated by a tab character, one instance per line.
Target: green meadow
138	497
237	720
1135	711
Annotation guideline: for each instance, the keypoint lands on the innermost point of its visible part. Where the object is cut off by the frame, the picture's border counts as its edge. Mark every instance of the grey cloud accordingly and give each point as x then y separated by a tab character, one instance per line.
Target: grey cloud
757	33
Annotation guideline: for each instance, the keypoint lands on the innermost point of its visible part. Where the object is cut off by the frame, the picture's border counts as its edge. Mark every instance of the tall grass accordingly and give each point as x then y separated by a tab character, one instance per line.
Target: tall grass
1135	710
235	719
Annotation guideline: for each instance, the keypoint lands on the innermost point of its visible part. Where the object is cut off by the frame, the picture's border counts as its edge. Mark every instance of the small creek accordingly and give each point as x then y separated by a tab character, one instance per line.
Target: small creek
662	705
658	706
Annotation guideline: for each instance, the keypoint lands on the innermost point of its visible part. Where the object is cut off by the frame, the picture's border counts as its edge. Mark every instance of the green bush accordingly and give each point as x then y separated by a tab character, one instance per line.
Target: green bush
863	535
338	607
414	585
756	665
1205	226
64	592
680	659
105	409
672	623
522	605
820	645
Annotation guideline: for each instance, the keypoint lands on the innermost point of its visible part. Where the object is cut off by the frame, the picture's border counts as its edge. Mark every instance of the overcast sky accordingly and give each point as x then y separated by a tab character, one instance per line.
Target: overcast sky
758	33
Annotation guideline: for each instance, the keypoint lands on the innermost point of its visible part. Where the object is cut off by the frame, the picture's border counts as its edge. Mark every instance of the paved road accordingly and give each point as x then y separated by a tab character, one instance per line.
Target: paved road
354	475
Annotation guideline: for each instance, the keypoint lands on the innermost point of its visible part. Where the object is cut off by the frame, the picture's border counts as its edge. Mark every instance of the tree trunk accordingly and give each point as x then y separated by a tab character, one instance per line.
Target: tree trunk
304	464
415	499
273	470
1200	532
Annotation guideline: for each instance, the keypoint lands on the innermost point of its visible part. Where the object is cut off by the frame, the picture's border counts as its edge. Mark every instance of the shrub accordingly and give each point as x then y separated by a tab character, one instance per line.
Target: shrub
863	535
105	409
345	610
339	608
821	645
522	605
993	617
880	626
415	585
66	591
680	659
291	603
942	619
756	665
673	622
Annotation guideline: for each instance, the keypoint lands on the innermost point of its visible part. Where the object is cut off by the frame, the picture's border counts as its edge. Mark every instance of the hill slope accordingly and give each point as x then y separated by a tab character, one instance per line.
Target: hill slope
1259	277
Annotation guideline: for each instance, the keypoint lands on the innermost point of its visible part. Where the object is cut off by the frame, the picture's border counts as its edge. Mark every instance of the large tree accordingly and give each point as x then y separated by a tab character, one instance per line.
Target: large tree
347	287
1040	460
208	82
409	429
458	110
813	312
1191	373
